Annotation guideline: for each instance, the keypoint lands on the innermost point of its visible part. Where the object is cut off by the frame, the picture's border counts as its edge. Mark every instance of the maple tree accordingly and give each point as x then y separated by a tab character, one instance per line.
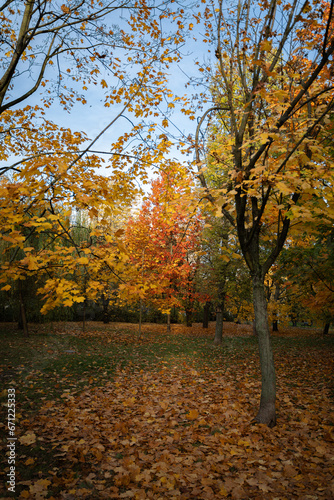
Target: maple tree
273	101
162	243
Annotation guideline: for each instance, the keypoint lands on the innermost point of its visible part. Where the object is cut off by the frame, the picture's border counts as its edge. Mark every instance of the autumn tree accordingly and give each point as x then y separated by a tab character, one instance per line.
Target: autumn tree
273	98
221	271
53	52
311	282
162	243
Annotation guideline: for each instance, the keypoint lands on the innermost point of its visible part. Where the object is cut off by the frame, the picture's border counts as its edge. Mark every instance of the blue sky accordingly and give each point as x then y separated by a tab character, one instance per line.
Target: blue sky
94	117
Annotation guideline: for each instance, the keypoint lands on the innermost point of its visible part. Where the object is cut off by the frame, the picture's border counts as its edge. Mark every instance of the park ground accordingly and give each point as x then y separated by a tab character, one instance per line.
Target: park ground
105	414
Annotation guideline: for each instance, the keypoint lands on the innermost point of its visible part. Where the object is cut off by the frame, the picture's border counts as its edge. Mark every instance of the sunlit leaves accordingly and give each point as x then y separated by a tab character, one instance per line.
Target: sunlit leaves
50	175
163	241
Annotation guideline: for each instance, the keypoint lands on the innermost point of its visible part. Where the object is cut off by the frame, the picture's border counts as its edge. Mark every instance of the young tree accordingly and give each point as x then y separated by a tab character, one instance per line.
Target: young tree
162	243
221	270
273	99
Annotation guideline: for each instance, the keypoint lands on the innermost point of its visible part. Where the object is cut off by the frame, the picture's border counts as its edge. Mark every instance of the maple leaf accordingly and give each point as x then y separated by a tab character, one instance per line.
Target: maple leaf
28	438
40	487
192	415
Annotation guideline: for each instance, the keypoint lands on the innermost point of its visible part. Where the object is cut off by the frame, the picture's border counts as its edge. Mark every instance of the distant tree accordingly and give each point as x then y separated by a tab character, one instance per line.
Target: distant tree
312	280
163	243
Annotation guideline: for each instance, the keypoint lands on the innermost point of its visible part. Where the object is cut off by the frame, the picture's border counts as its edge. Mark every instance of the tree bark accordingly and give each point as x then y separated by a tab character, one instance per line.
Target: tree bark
206	314
219	324
23	324
168	323
276	297
105	305
189	317
267	411
326	329
84	318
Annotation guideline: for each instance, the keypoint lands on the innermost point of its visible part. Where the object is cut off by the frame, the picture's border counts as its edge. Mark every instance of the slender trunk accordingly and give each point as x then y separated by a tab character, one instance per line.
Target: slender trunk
206	314
267	411
105	303
168	323
189	317
276	297
140	318
219	324
326	329
84	317
23	324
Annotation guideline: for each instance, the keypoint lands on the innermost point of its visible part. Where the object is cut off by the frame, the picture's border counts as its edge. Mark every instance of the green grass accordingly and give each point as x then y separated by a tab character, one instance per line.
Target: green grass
42	368
46	364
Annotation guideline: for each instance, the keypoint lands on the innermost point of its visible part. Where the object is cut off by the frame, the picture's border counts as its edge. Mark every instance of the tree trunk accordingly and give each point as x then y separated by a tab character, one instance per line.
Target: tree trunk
219	324
326	329
140	318
84	318
206	314
23	324
105	305
189	317
168	323
276	297
267	411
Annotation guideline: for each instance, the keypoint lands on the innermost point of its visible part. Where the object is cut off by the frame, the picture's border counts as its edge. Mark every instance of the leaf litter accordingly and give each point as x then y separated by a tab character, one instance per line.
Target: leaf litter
183	430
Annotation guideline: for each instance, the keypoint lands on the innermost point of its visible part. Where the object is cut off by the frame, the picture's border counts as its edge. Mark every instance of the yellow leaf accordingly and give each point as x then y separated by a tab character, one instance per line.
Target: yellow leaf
233	452
225	258
243	442
283	188
104	84
6	287
266	45
223	492
83	260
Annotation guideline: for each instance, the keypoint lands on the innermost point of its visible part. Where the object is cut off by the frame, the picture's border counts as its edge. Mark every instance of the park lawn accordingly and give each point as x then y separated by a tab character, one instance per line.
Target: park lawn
104	414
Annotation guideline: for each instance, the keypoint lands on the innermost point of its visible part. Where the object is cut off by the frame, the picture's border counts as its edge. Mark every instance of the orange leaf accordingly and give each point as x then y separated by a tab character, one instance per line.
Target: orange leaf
192	415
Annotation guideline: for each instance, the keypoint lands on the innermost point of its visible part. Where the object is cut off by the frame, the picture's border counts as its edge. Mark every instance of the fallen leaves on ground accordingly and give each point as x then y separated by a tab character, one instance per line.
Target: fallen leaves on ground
180	431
